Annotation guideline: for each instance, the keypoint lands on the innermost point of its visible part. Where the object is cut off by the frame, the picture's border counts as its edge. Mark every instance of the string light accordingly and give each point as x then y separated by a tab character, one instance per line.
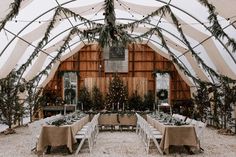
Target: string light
128	9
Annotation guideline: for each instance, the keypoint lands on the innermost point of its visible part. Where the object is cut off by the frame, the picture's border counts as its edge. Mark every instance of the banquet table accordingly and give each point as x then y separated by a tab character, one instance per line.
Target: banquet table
183	135
52	135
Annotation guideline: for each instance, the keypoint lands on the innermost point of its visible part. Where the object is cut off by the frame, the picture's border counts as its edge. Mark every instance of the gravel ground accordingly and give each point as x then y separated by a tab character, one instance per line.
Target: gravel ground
112	144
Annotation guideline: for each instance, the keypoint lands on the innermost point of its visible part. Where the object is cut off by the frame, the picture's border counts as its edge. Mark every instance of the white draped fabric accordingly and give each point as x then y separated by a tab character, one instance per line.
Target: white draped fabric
21	35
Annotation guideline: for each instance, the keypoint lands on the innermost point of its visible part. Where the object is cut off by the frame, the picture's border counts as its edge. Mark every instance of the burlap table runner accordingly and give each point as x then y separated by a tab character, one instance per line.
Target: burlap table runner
63	135
175	135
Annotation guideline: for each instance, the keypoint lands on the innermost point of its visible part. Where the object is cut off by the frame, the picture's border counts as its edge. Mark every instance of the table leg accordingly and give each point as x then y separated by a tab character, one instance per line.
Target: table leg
188	148
48	151
68	150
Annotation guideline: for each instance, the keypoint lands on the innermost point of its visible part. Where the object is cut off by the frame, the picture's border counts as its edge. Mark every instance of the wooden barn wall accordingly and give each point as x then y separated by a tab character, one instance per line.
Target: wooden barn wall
133	84
142	62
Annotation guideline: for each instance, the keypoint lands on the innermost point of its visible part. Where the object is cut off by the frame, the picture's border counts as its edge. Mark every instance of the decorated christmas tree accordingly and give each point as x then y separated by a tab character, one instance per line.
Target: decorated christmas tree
117	96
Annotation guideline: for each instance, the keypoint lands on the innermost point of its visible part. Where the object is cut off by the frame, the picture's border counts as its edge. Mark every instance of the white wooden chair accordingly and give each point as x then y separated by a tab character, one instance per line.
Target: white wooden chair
200	128
85	135
188	120
194	123
95	128
88	132
147	133
155	138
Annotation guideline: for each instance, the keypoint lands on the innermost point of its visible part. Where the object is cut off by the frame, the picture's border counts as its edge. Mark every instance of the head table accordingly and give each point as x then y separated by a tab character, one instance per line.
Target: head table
52	135
183	135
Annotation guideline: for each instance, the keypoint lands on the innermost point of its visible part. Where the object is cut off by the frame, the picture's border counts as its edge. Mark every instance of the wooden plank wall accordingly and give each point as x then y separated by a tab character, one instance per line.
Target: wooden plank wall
142	62
133	84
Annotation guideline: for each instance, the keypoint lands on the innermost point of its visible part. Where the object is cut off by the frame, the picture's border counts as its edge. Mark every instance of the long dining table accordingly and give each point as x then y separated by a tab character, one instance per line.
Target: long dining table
184	135
52	135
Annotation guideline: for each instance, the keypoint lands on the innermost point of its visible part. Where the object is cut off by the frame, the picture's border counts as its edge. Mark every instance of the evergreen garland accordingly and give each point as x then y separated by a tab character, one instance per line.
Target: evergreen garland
174	58
112	34
216	28
43	42
199	60
15	7
57	57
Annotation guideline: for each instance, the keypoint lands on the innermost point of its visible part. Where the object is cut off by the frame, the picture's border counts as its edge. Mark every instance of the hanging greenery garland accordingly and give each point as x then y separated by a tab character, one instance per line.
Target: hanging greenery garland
111	33
216	28
15	7
162	94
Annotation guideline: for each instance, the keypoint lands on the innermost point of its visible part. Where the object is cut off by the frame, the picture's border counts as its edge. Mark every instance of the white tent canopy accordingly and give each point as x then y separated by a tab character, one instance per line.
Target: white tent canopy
21	35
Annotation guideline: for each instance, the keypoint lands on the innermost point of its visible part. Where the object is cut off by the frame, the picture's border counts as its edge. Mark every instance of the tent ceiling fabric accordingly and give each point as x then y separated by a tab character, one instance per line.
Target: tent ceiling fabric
21	35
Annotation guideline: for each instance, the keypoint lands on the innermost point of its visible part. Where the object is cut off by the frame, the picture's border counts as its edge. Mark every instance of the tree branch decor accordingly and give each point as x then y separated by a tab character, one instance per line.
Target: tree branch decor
15	7
113	34
110	33
216	29
11	108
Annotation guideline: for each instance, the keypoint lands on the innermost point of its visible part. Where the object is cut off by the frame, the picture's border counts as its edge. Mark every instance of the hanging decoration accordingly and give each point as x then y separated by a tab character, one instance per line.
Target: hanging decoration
15	7
162	94
110	33
216	28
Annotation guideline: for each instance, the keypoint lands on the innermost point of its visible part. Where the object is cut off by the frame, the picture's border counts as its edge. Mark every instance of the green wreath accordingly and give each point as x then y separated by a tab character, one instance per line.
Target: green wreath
162	94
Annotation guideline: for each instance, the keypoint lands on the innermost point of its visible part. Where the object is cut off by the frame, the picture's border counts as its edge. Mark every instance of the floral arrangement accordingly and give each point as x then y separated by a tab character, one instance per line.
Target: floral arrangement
67	120
168	119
